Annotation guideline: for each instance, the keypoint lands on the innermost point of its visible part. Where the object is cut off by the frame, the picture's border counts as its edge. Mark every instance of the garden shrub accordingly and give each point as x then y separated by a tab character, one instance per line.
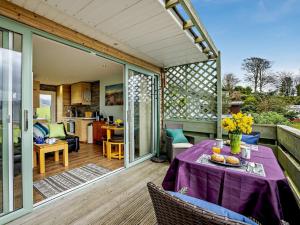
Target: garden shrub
270	118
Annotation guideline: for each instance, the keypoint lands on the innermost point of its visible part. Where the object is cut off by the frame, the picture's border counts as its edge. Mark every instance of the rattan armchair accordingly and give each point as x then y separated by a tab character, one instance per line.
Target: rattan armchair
170	210
171	150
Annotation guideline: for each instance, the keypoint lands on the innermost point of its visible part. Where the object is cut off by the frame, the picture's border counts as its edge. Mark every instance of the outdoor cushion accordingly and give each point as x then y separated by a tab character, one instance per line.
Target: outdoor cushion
219	210
182	145
177	135
252	138
56	130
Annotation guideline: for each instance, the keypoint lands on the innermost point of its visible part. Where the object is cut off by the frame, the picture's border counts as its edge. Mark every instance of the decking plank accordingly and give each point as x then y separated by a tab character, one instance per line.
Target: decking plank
119	199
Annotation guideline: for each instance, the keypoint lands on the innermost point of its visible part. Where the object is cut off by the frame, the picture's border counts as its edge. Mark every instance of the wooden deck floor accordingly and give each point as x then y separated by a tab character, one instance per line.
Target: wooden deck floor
119	199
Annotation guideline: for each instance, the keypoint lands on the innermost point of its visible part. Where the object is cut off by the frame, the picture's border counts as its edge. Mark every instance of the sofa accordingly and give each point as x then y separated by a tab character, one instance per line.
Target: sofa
43	130
73	141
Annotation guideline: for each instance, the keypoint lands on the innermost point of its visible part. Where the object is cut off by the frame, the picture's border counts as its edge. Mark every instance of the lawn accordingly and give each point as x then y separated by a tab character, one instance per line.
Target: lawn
296	125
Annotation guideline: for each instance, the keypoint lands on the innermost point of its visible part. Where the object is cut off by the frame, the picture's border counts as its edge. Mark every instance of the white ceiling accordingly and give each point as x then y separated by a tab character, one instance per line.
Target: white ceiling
143	28
55	64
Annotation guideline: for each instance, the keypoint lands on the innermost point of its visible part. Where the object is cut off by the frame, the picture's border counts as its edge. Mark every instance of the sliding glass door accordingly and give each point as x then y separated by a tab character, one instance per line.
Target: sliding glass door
15	137
142	100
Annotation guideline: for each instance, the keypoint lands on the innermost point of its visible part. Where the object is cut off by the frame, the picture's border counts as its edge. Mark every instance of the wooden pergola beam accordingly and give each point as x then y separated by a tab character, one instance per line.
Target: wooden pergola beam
189	9
188	24
34	20
199	40
171	3
206	50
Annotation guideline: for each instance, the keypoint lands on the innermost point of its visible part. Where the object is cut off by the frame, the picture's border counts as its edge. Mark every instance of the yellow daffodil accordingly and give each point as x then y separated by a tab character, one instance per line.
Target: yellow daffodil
239	123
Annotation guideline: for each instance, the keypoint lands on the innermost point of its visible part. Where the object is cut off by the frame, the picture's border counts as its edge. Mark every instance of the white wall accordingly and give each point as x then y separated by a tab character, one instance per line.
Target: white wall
115	111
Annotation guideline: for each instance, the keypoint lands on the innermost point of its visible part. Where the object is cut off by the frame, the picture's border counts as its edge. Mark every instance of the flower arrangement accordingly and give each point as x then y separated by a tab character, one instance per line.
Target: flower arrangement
118	122
238	124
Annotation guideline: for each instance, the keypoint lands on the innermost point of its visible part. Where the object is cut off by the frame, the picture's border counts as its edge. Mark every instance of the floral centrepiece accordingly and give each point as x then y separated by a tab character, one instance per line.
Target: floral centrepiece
118	122
236	126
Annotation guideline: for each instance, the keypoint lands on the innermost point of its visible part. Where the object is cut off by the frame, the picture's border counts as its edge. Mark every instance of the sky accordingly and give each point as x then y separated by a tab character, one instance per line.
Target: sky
246	28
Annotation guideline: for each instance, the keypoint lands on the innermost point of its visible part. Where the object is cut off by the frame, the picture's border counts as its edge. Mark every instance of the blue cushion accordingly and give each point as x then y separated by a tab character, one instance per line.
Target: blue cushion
219	210
177	135
252	138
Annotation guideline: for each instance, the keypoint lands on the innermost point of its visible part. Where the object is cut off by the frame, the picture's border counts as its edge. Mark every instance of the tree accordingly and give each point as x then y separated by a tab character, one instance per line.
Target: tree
298	89
257	72
244	90
286	83
297	84
229	82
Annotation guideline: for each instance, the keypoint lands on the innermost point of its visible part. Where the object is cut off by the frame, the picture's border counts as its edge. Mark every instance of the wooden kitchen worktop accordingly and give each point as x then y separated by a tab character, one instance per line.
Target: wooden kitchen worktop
79	118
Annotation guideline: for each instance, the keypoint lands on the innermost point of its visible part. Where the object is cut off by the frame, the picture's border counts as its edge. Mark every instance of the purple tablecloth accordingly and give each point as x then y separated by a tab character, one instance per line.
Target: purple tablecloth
267	199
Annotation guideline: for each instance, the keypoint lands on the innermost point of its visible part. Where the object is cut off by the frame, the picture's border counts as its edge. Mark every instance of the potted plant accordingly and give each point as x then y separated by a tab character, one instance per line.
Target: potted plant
236	126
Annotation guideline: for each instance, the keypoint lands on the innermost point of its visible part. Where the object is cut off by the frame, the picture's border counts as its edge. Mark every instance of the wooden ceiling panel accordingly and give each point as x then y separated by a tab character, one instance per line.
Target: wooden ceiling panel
153	37
101	10
142	28
71	7
165	43
153	26
144	10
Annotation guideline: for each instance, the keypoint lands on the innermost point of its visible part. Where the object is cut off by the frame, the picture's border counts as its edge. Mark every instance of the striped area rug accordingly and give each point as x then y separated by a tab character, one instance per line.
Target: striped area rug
56	184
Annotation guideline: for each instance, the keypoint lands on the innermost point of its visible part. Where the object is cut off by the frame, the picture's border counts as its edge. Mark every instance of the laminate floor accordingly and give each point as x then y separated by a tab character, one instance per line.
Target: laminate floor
88	153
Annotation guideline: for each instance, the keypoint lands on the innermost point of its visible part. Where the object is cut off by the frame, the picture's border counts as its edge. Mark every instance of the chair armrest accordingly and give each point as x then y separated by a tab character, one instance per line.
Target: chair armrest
168	146
169	142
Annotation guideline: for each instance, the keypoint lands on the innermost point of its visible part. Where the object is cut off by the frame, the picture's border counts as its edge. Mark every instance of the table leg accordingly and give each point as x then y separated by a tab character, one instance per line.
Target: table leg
108	150
34	159
120	152
66	156
108	134
42	162
56	156
104	149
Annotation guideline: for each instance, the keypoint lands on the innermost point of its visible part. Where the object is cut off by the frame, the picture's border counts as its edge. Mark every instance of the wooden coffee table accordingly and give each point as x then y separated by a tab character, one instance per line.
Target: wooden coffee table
41	149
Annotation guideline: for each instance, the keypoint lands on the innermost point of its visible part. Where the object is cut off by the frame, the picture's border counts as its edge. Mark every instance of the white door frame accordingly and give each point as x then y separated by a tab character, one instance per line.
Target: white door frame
53	104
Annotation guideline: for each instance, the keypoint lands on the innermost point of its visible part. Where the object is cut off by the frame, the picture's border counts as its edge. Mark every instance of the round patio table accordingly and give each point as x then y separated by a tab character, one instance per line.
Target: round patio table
267	198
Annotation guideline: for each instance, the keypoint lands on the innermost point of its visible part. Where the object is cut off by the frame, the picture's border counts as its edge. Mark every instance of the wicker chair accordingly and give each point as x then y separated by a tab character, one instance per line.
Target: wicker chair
171	150
170	210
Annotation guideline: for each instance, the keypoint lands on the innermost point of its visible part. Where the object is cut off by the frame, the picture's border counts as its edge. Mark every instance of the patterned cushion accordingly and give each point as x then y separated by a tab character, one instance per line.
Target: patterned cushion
38	132
43	127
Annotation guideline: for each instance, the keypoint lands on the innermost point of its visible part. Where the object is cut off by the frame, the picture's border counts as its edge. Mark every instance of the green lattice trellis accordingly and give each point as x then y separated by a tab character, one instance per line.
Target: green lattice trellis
191	91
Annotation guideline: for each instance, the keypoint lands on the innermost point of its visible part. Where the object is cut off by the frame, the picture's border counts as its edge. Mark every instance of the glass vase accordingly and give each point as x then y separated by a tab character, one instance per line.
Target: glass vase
235	143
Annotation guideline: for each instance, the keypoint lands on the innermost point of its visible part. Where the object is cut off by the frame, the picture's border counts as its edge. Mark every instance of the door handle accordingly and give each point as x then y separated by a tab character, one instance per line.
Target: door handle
25	120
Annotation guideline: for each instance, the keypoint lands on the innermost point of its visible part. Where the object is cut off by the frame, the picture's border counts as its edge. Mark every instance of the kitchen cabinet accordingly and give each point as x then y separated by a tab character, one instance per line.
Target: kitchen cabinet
81	128
81	93
63	98
36	94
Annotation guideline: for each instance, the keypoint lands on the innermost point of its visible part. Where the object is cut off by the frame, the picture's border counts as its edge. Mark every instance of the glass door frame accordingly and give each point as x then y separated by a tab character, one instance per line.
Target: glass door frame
26	115
155	112
27	83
